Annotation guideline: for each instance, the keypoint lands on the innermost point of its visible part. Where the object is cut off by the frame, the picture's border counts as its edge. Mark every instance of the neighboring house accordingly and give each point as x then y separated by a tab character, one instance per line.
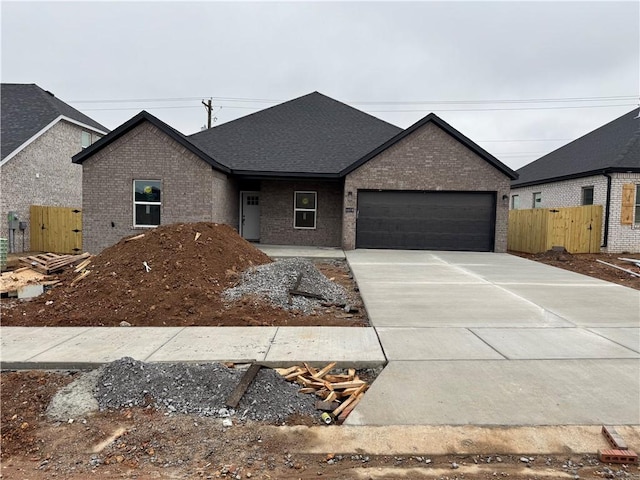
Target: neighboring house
310	171
40	134
600	168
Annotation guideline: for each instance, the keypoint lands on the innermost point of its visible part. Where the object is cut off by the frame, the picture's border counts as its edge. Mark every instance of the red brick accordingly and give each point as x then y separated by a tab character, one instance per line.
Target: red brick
614	438
618	456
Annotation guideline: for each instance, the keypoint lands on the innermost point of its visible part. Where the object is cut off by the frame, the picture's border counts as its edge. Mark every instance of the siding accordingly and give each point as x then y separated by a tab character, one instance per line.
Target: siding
41	174
191	190
568	193
428	159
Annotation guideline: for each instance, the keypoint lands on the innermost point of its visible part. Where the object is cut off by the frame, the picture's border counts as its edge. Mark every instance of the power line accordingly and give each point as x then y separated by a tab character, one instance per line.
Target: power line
411	102
564	107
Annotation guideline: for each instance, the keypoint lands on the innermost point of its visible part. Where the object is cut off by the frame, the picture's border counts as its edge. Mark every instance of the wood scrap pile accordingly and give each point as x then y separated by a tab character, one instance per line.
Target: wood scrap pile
82	270
11	282
339	393
48	263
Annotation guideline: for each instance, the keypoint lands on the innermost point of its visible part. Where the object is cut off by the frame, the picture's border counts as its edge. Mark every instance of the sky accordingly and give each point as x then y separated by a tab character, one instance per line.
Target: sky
520	79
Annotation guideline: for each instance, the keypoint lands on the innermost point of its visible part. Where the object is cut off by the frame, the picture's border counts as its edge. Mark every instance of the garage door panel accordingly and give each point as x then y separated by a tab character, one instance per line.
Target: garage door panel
426	220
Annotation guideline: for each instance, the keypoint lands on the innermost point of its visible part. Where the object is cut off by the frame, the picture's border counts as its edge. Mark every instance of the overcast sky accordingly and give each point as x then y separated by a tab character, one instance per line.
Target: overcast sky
489	69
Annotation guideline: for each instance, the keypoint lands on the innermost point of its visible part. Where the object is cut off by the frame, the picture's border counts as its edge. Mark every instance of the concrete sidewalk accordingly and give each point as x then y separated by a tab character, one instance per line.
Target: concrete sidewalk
494	339
89	347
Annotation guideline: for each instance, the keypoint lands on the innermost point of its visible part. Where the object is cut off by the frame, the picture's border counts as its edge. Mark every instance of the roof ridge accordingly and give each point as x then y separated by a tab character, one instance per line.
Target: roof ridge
632	141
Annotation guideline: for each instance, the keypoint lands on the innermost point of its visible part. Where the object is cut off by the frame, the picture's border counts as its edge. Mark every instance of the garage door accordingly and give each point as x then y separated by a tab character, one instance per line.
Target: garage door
426	220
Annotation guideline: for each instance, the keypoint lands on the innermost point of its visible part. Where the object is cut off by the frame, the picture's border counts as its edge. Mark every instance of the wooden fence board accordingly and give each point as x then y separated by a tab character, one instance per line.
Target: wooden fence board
55	229
577	229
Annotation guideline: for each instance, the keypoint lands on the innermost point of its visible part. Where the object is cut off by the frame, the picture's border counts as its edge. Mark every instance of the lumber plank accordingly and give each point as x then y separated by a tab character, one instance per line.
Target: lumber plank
286	371
306	294
307	390
312	371
80	277
635	274
241	388
137	237
321	373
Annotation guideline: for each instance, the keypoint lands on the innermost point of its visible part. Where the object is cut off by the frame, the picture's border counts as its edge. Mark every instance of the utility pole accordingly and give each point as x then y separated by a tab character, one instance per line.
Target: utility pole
208	108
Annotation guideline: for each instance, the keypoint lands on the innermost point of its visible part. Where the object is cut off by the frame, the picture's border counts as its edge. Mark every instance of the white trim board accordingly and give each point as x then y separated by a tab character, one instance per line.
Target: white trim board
41	132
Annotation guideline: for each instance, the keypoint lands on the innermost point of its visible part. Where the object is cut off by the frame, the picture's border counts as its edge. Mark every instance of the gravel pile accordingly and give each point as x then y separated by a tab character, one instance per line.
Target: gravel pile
273	281
200	389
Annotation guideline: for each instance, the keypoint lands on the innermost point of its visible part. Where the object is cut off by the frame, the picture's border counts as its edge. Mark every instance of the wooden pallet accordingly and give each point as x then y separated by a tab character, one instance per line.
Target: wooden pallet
48	263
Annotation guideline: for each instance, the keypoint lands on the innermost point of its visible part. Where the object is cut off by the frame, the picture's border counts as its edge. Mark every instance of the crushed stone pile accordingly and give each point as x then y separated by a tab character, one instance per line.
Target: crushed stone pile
273	281
199	389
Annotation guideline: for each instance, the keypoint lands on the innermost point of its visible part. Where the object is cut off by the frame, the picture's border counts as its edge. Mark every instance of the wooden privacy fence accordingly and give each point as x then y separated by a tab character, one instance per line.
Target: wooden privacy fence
55	229
577	229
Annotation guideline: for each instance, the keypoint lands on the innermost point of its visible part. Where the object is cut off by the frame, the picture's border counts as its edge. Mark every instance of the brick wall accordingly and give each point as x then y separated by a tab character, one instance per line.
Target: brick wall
41	174
428	159
568	193
191	190
276	214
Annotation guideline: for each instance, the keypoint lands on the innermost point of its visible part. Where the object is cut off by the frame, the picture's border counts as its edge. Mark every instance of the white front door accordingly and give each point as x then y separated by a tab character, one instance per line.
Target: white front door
250	215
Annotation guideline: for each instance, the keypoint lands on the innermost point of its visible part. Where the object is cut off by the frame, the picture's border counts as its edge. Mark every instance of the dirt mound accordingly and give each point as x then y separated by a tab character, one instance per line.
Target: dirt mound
183	286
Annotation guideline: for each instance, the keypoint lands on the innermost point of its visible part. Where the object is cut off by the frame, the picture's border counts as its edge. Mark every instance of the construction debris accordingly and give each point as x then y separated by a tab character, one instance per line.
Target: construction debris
48	263
245	381
344	389
618	456
614	438
635	274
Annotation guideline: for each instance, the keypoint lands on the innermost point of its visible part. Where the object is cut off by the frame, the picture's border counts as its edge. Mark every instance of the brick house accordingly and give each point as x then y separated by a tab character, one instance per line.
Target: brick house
599	168
310	171
40	134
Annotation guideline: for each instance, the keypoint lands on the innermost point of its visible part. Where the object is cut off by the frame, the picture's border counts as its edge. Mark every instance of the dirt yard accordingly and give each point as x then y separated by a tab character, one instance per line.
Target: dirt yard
142	443
182	288
587	264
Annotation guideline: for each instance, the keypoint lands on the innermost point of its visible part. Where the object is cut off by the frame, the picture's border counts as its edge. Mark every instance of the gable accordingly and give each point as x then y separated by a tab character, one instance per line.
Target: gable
452	136
430	159
28	111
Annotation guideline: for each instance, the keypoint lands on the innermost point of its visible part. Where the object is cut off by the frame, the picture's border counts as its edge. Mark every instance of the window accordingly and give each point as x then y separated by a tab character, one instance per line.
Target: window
146	203
515	202
637	205
86	139
304	210
537	200
587	195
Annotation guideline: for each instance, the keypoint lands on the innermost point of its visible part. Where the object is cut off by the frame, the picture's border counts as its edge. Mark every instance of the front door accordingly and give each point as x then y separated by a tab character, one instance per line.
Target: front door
250	215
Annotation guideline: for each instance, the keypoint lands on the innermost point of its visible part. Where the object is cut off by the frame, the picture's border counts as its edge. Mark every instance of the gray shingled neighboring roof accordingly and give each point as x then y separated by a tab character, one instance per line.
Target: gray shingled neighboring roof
312	135
614	147
27	109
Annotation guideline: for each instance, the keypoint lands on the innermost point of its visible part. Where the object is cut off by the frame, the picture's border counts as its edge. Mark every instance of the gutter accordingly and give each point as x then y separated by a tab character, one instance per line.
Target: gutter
607	211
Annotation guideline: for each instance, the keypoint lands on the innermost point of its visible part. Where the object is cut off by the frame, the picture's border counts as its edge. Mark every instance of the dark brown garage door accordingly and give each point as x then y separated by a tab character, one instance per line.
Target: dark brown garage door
426	220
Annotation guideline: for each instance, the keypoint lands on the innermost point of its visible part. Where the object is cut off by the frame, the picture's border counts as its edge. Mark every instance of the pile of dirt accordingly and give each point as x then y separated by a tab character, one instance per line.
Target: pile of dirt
190	265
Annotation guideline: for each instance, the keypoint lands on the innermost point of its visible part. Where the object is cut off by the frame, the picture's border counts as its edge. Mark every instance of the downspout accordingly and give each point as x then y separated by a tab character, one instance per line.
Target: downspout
607	211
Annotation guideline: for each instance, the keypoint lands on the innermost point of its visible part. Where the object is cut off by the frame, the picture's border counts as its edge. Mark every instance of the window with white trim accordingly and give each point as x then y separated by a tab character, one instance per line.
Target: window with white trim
146	203
304	210
637	206
86	139
587	195
515	202
537	200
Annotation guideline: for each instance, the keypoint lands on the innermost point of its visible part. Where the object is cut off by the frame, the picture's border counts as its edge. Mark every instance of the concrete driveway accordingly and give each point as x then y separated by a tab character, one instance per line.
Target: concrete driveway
494	339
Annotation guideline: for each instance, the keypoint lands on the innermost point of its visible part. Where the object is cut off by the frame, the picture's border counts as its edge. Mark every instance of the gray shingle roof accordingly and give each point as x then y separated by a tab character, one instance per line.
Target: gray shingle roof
27	109
612	147
310	135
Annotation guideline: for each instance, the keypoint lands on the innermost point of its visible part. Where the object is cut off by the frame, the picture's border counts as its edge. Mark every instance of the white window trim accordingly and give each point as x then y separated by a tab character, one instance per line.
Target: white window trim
533	195
314	210
515	201
593	195
135	202
636	204
82	138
